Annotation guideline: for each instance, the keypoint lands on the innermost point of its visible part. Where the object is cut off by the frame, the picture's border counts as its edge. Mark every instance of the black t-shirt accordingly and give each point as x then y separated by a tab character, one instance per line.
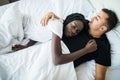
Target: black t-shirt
101	55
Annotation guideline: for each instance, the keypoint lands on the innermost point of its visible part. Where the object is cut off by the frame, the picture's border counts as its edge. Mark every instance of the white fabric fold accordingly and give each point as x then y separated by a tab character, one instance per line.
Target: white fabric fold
44	33
11	29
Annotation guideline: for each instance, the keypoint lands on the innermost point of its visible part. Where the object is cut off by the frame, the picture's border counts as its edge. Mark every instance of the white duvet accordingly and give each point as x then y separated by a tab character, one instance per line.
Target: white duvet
11	28
35	63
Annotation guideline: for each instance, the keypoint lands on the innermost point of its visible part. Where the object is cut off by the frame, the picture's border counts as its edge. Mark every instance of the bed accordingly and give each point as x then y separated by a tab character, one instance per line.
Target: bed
21	19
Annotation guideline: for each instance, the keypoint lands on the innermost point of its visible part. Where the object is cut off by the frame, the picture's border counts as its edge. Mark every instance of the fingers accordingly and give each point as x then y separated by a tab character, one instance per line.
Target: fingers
91	46
49	15
53	18
18	47
44	20
92	43
15	48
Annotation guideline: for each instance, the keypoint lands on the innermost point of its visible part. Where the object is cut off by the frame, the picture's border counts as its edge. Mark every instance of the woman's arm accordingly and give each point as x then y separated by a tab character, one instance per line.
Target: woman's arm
100	72
19	47
60	58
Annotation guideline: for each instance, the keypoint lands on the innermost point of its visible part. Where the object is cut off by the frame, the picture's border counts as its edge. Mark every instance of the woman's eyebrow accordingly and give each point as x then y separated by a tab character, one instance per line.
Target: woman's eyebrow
75	23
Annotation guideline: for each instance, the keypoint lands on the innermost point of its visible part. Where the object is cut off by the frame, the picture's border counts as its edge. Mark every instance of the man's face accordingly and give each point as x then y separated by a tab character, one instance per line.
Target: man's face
98	21
73	28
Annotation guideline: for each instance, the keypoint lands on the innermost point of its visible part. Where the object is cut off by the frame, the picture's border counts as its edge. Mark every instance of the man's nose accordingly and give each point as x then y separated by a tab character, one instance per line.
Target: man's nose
93	18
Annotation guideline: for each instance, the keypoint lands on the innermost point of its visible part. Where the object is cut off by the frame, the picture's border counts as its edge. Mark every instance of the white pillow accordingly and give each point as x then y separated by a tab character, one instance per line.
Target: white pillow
114	38
114	69
63	8
11	27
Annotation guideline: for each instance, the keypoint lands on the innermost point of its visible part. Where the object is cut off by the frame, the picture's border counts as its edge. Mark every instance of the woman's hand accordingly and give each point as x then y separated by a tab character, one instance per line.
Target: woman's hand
49	15
18	47
91	46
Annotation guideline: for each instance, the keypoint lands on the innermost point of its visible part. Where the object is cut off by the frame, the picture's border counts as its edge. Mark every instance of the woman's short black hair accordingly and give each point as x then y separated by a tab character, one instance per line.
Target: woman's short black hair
72	17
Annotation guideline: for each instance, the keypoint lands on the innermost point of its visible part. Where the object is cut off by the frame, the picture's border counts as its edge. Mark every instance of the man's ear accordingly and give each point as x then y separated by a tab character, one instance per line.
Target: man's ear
103	28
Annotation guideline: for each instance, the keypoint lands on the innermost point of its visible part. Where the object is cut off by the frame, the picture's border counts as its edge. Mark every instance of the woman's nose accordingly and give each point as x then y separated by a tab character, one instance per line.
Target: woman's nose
74	32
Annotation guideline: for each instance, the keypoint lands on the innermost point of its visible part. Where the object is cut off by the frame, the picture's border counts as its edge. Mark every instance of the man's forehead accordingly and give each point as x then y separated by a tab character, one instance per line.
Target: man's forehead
102	14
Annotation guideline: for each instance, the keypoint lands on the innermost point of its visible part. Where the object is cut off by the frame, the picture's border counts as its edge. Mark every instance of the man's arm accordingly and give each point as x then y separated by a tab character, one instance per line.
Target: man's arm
100	72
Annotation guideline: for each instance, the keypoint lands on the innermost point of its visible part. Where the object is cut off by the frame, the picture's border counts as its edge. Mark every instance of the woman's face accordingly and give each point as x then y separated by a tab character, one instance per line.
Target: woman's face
73	28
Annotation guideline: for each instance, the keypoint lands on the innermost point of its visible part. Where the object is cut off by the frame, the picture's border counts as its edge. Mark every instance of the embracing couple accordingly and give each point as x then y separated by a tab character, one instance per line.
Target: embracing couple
86	40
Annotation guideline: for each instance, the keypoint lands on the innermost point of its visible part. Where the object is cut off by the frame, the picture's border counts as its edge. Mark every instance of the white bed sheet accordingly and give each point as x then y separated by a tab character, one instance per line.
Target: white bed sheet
11	28
4	8
37	59
34	63
63	8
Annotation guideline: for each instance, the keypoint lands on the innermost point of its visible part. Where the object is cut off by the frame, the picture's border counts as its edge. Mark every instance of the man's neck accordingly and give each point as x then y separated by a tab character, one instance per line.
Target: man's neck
94	34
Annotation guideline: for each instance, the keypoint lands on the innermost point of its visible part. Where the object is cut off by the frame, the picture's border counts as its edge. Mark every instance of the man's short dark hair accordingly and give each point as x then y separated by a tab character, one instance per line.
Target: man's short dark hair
112	18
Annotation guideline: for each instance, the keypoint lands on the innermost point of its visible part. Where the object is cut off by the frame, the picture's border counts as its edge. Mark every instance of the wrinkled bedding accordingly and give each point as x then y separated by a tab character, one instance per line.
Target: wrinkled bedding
30	63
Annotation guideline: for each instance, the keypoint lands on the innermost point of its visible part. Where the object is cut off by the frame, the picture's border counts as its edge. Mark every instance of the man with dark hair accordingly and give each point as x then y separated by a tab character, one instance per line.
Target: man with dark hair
104	21
112	20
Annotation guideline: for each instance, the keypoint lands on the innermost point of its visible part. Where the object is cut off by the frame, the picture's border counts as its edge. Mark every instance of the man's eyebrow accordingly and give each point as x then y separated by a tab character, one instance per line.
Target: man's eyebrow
98	16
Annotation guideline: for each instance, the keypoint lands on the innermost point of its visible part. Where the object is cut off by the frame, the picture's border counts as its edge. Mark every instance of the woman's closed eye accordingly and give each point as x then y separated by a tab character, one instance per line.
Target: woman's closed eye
74	27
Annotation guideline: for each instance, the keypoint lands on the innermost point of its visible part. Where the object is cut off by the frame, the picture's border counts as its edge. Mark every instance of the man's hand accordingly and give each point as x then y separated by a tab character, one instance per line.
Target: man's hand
49	15
91	46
